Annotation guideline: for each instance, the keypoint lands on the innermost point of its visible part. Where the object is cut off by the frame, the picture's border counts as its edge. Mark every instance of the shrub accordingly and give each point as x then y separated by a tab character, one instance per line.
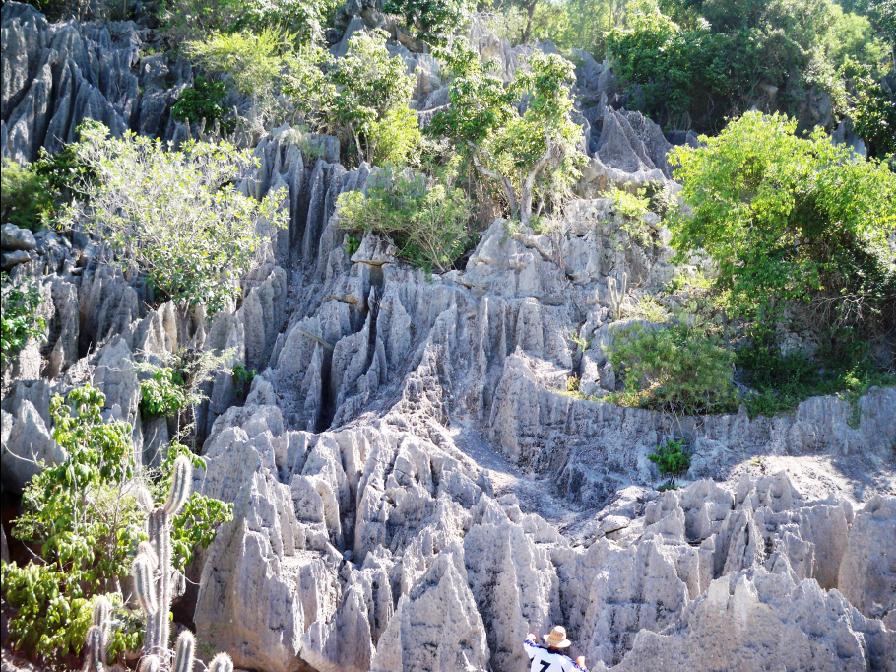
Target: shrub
175	389
680	369
175	216
426	220
202	101
25	196
363	97
20	321
432	20
162	394
252	60
242	379
790	221
873	111
63	171
304	19
671	460
83	519
779	382
394	139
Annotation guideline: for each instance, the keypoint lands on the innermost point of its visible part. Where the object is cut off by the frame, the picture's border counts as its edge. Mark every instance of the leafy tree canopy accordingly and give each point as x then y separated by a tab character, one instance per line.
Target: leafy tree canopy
790	219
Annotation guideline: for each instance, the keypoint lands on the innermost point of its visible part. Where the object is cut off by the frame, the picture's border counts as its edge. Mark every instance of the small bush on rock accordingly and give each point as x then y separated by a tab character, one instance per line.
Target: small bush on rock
679	369
670	459
426	219
20	321
204	101
25	196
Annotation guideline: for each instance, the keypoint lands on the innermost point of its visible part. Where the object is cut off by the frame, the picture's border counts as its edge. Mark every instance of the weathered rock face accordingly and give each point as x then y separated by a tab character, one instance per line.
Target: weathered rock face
401	465
56	75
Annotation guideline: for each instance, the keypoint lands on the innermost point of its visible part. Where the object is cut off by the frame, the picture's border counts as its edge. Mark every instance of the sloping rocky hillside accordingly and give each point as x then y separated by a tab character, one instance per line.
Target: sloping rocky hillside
413	488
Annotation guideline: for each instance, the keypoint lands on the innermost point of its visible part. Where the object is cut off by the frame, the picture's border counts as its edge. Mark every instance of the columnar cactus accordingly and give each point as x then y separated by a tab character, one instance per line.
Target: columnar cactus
221	663
184	651
617	294
98	636
155	581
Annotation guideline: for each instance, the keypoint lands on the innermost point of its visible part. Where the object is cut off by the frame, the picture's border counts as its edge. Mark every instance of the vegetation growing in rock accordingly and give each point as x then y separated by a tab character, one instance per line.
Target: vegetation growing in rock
532	157
20	320
701	62
25	198
426	219
791	221
362	97
82	519
174	215
681	369
671	460
202	102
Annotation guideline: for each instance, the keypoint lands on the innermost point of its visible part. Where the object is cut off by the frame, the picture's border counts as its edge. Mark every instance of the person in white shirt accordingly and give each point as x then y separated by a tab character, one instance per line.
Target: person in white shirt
552	655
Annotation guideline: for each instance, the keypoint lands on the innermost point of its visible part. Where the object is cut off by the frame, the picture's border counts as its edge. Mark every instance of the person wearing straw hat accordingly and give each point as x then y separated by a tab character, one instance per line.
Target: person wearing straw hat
553	656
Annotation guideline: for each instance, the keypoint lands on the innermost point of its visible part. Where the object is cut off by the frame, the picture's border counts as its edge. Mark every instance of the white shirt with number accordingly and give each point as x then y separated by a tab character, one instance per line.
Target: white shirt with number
545	661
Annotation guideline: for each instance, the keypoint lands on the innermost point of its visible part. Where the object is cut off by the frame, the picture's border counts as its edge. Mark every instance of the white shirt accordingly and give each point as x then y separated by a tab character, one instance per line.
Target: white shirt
546	661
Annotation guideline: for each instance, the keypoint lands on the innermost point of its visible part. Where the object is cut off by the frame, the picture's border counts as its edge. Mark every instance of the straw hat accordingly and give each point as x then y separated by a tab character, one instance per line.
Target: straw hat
556	638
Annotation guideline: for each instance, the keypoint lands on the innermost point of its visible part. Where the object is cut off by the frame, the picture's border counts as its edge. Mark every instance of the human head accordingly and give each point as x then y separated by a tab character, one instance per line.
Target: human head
556	638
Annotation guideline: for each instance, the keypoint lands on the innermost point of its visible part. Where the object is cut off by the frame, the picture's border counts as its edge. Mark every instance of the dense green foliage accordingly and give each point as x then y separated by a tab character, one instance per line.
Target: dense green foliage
779	382
204	101
790	220
671	460
705	60
25	198
242	380
20	320
871	104
252	61
82	519
162	394
174	215
426	219
679	368
303	19
533	155
362	97
431	20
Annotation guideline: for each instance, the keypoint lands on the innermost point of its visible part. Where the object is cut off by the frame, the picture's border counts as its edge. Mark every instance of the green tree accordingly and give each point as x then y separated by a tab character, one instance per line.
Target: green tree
425	218
431	20
789	220
532	156
362	97
175	216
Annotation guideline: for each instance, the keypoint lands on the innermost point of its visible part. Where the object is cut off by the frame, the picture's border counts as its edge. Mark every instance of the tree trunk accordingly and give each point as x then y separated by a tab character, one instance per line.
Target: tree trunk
530	13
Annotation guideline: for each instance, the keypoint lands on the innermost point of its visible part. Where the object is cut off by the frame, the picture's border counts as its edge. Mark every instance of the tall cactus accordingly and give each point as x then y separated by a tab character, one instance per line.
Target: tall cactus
98	636
617	294
155	581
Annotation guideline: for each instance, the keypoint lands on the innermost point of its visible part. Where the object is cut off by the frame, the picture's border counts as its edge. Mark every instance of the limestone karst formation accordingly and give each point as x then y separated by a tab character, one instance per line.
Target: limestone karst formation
411	488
